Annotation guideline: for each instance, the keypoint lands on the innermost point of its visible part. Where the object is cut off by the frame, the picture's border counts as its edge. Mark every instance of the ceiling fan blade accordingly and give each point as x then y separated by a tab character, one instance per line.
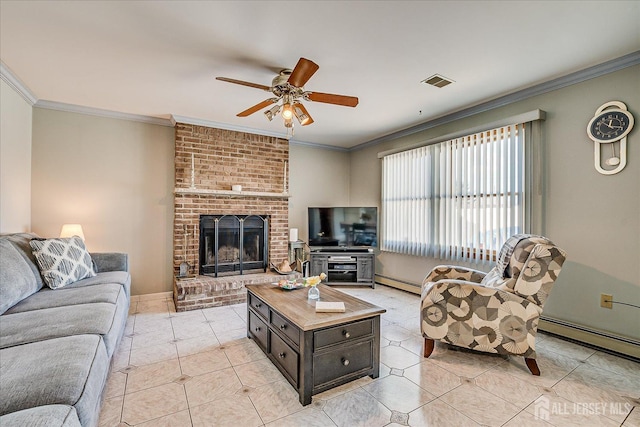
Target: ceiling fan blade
243	83
302	72
302	114
329	98
257	107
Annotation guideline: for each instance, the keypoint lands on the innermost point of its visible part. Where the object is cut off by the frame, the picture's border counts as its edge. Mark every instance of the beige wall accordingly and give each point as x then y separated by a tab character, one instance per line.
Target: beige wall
319	177
15	161
115	177
595	218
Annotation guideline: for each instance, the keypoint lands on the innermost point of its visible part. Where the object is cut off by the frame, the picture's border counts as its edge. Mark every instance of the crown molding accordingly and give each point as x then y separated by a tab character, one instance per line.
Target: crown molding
16	84
599	70
570	79
320	146
73	108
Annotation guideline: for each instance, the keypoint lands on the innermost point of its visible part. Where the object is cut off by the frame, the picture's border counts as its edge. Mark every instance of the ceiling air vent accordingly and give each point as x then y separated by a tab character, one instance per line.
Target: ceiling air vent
437	80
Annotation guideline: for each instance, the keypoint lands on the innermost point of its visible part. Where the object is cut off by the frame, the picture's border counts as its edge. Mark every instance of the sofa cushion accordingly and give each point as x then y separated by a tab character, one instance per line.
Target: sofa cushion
104	319
110	261
21	243
16	279
121	277
62	261
42	416
68	370
49	298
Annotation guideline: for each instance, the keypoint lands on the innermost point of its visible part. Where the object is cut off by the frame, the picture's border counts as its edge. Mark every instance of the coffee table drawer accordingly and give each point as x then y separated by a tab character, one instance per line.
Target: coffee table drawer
342	361
258	329
285	356
258	305
283	325
343	333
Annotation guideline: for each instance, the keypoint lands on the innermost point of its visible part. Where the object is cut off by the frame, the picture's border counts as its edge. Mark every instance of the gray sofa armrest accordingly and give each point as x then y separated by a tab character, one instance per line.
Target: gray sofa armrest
110	261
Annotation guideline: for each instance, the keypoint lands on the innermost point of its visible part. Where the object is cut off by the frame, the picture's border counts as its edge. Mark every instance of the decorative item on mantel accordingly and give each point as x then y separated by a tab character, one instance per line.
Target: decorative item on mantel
284	182
193	173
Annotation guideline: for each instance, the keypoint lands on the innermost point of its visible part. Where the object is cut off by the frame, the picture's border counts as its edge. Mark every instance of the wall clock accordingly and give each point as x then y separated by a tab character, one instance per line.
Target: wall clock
611	123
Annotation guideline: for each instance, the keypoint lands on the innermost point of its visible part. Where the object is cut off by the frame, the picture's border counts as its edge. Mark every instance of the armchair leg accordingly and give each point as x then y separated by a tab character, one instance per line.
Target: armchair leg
533	366
428	347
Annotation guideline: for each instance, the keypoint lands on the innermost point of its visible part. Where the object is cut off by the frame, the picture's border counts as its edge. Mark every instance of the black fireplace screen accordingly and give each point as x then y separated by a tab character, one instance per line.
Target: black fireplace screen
233	244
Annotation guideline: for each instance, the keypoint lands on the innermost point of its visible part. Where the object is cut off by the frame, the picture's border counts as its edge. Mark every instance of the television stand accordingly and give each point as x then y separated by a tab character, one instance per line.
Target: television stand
344	266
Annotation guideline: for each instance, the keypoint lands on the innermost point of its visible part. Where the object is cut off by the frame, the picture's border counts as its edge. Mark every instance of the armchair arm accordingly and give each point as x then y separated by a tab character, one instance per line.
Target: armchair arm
110	261
442	272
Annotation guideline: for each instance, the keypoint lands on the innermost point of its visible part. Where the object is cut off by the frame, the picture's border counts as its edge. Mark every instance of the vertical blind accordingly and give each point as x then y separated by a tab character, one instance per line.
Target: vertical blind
459	199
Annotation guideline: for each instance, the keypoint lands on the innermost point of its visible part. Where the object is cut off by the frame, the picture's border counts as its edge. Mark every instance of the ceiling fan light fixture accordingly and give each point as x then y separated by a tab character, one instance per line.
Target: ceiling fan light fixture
272	112
301	114
288	123
287	112
303	119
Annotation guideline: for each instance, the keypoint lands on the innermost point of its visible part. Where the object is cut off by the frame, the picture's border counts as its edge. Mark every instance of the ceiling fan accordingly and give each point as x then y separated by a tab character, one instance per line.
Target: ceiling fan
288	87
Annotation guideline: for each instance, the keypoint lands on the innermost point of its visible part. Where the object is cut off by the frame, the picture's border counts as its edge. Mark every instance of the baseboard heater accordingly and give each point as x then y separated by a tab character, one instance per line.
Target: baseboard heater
398	284
602	340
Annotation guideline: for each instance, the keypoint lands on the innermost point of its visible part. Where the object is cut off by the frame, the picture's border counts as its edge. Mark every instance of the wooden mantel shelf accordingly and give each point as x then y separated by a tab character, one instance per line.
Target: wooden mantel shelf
230	193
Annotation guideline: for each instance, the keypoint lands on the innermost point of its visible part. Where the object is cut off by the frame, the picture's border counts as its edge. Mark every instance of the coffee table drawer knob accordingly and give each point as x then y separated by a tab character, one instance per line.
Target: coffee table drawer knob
346	334
345	362
283	327
282	355
257	328
258	305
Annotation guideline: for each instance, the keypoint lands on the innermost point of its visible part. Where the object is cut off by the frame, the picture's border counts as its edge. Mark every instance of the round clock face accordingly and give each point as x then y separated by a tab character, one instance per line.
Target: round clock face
610	125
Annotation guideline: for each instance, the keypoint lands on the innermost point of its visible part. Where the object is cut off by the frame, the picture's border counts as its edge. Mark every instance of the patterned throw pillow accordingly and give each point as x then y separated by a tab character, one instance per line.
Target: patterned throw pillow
62	261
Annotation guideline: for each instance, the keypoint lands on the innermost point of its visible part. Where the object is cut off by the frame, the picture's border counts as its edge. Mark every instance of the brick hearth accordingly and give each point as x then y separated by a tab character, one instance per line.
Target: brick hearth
205	291
223	158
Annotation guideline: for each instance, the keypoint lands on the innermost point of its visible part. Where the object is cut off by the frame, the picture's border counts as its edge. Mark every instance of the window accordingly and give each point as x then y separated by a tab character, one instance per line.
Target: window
459	199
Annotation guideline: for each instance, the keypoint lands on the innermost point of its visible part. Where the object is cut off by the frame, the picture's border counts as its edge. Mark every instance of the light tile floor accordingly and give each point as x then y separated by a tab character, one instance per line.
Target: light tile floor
198	368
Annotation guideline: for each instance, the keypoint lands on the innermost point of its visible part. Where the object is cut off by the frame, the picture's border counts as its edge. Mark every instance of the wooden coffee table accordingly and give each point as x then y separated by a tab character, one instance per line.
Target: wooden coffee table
314	351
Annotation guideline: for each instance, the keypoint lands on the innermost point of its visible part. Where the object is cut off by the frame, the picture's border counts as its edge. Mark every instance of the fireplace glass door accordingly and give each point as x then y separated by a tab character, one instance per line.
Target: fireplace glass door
233	244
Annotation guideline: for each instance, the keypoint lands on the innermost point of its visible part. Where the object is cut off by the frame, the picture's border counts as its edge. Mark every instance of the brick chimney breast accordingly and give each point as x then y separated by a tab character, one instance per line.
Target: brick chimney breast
222	158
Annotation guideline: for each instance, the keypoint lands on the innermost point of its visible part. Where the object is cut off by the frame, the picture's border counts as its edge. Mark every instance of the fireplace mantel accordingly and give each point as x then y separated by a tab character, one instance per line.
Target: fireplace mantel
229	193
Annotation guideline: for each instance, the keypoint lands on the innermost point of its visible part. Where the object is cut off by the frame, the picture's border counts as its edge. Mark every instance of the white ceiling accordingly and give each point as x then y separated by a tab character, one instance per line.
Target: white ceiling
160	58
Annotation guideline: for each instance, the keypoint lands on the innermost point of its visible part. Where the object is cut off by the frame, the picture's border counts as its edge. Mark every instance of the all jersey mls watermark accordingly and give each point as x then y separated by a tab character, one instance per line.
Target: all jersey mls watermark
544	409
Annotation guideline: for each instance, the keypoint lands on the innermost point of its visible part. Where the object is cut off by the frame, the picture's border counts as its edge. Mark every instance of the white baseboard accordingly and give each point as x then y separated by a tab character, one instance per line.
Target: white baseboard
152	297
601	339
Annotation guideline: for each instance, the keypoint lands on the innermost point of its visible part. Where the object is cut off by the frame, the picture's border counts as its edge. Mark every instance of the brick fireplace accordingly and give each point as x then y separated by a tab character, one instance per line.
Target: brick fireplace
208	162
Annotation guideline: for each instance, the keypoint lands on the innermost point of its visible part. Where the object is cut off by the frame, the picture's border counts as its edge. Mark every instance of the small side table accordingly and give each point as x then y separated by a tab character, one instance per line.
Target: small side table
297	253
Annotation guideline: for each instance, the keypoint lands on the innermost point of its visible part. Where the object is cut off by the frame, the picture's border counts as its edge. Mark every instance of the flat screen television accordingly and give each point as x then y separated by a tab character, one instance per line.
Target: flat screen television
346	227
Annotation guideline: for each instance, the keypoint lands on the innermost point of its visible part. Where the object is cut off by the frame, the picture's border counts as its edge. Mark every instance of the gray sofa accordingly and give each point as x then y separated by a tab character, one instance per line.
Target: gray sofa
56	345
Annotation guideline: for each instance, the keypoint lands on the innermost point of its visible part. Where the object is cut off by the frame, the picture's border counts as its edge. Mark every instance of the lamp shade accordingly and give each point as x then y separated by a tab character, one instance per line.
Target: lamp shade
70	230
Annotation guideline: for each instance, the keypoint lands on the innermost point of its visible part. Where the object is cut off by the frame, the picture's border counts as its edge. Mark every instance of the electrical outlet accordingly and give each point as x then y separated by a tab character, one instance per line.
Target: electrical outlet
606	300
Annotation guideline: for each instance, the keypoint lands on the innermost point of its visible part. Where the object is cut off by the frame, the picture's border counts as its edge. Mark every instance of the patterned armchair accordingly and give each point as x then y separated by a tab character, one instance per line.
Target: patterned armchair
494	312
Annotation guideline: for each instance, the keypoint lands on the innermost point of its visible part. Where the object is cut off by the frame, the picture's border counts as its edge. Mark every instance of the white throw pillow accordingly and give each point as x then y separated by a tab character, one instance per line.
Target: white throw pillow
62	261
